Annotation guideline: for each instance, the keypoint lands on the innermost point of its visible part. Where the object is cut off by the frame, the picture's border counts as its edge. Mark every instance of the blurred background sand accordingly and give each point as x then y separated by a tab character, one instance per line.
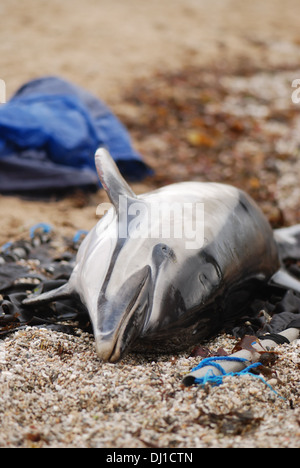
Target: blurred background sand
105	45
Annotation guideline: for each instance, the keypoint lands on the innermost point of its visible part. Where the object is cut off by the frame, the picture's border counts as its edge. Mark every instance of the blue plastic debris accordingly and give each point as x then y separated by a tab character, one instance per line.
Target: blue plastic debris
213	379
79	235
44	227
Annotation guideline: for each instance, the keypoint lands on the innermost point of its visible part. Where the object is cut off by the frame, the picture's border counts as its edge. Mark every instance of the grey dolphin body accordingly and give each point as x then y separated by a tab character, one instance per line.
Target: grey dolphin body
147	289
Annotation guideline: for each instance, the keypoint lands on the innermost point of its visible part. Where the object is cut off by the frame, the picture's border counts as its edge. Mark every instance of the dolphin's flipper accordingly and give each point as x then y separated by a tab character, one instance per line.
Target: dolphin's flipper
111	178
63	292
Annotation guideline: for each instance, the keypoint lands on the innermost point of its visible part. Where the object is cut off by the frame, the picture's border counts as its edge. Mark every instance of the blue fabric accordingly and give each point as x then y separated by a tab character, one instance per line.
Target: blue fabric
52	127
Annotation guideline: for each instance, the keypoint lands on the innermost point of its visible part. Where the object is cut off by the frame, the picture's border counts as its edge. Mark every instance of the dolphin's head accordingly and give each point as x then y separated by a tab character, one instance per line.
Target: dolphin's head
131	299
122	279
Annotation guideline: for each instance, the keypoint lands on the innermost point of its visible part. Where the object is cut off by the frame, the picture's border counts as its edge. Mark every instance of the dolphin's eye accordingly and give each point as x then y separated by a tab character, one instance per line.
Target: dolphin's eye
163	251
210	275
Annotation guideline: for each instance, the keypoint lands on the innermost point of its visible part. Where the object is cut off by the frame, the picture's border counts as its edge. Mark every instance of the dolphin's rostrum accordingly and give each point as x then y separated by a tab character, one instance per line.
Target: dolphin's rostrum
141	287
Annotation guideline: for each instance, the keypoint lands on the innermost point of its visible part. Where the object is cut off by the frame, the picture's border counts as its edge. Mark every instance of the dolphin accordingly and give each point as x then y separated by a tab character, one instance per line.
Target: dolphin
166	268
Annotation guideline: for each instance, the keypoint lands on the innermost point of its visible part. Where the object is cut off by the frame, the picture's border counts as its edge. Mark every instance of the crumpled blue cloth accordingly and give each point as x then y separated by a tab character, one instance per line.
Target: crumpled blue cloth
49	132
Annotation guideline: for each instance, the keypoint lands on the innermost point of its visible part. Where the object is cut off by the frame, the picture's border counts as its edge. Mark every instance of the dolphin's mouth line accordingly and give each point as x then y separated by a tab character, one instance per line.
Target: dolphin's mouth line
116	355
132	313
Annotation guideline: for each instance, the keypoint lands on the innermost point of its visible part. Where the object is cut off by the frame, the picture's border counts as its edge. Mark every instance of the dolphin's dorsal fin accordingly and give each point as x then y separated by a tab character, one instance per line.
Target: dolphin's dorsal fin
111	178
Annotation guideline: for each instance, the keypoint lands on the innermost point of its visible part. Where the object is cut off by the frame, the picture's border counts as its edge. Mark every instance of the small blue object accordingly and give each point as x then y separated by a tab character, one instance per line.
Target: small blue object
46	228
79	234
218	379
213	379
5	246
